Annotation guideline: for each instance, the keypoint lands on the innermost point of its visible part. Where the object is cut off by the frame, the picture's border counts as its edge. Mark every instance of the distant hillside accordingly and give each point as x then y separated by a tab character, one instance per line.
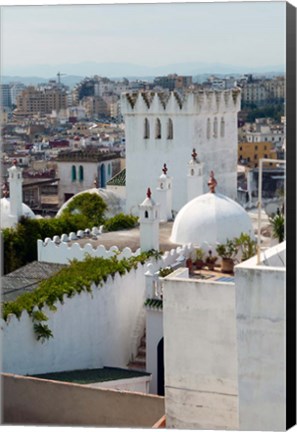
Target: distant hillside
69	80
75	72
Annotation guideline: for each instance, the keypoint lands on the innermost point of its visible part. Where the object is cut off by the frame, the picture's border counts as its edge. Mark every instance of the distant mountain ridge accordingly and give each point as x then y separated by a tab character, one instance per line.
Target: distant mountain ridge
72	72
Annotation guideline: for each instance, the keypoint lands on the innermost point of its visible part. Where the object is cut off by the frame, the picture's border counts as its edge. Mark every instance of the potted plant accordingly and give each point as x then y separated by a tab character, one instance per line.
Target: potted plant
211	260
278	226
227	251
246	245
199	263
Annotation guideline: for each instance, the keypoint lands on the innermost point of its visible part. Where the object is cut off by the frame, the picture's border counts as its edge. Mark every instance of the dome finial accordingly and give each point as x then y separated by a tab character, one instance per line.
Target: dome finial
212	183
15	162
149	193
165	169
194	154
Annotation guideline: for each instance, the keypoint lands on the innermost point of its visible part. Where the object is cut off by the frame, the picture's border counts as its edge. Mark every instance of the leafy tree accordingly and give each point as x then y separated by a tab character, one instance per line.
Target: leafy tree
89	205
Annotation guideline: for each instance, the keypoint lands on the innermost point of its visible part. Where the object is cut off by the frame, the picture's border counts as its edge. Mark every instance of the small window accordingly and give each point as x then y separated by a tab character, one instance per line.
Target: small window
215	128
170	129
265	156
208	128
146	214
158	129
256	147
73	173
240	148
81	173
222	129
256	157
146	129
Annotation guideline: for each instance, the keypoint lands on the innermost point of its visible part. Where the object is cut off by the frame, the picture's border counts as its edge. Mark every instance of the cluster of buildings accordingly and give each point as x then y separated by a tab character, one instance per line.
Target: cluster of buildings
254	90
206	347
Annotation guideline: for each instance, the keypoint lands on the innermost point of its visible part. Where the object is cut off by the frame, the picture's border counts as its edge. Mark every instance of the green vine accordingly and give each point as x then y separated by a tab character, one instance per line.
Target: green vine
79	276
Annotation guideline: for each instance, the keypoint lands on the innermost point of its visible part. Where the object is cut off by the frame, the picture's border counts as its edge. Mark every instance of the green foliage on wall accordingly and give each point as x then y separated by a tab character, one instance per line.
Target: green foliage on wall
79	276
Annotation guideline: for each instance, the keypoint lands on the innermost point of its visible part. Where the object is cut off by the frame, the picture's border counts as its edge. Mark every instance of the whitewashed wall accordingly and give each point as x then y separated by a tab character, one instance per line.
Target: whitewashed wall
200	354
90	330
261	326
139	384
61	252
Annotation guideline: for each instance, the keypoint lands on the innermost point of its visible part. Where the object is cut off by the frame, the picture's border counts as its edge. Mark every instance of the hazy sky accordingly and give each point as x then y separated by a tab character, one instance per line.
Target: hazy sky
246	33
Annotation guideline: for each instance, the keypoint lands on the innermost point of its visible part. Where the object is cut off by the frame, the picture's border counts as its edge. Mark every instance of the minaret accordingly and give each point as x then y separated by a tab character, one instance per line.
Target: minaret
195	177
15	191
149	216
164	195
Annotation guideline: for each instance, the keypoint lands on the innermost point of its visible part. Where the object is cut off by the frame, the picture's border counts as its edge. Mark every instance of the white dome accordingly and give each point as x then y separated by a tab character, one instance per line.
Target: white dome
210	219
115	204
6	220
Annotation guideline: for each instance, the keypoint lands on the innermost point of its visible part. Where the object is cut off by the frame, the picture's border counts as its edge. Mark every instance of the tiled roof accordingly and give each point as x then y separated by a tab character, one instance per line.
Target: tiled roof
88	376
26	278
119	179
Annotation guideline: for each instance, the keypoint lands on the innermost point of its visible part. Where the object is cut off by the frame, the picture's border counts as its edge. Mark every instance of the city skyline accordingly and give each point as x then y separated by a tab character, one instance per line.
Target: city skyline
147	35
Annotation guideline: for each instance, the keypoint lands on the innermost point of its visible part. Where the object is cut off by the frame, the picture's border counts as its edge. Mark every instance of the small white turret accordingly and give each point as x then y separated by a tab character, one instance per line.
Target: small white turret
16	192
195	177
149	217
164	195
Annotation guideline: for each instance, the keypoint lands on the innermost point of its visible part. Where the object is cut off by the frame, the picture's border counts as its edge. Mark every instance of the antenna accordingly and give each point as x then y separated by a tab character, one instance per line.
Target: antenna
59	74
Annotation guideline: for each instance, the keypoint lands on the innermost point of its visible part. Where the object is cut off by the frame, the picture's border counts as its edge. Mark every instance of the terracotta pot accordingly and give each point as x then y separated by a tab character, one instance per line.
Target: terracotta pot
210	265
199	264
227	265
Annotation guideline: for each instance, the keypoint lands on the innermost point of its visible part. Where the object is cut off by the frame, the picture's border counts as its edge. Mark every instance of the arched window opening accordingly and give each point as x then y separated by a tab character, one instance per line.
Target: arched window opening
215	128
81	173
146	129
222	128
73	173
158	129
208	128
146	214
170	129
192	172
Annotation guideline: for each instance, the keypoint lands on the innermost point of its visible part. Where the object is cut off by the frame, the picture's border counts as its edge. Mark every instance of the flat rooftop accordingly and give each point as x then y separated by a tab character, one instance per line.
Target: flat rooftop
129	238
89	376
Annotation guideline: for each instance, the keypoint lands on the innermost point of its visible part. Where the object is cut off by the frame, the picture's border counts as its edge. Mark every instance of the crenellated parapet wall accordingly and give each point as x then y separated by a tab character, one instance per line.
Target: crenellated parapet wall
191	102
61	250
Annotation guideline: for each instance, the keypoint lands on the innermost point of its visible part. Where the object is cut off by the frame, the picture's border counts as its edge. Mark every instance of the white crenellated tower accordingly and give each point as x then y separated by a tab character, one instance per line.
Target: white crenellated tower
149	217
164	195
167	126
195	177
15	179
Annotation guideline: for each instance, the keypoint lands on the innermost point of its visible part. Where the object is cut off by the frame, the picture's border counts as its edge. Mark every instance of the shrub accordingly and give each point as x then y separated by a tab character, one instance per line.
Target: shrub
120	222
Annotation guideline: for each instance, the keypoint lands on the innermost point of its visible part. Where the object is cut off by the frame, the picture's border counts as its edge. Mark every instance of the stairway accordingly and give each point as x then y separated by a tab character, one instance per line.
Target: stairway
139	363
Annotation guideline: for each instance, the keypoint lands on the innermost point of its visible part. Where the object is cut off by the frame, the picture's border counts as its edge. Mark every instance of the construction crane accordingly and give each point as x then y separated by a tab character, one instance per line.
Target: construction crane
59	74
